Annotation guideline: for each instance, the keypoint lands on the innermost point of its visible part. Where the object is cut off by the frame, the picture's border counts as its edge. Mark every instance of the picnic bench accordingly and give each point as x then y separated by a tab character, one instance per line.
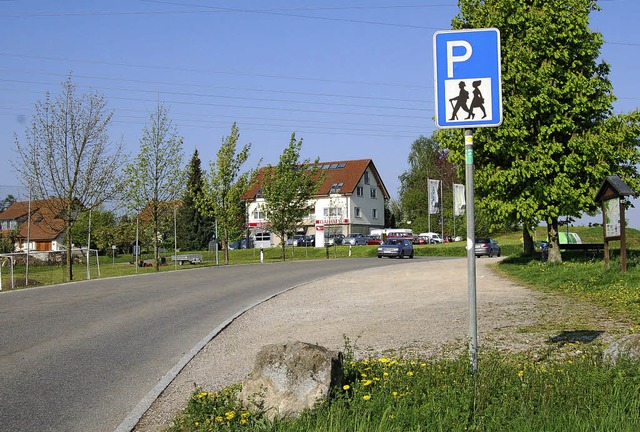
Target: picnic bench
587	248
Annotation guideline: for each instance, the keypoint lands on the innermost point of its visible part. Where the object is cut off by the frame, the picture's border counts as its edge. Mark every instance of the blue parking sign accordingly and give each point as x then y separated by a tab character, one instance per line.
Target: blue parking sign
467	78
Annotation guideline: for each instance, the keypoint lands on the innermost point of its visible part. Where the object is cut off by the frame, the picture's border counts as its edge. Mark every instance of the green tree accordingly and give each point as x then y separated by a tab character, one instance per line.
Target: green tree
223	190
194	229
102	222
67	155
558	139
427	160
288	189
155	176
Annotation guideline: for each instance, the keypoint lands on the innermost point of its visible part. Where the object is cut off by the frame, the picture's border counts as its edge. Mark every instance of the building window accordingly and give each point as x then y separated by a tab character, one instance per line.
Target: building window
374	192
259	214
357	212
359	191
335	188
375	213
332	212
366	177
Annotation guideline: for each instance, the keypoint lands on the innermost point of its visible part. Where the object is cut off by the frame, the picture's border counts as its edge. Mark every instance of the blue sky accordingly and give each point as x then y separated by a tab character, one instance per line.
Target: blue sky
354	79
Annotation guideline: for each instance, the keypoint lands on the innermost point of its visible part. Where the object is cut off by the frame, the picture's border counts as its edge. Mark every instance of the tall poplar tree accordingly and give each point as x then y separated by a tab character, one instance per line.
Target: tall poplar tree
224	187
156	177
559	138
288	189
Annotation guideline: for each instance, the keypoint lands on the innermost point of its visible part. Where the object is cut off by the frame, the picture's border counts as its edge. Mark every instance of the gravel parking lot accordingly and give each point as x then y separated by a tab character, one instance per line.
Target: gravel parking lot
418	308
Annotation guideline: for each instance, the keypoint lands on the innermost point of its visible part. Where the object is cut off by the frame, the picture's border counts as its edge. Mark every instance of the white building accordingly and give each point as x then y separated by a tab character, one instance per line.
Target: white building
350	200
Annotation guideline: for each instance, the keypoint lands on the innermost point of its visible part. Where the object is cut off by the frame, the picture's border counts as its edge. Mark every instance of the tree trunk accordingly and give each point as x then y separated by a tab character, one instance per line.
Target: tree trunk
284	246
156	259
68	225
554	246
527	241
68	251
225	244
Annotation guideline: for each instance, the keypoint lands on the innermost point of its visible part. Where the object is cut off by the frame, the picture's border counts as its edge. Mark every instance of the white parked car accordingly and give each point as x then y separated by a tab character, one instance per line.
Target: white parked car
432	237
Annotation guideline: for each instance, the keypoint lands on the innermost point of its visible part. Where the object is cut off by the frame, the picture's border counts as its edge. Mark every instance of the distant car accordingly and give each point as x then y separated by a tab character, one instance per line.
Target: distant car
396	247
296	240
308	241
487	246
431	237
420	240
374	240
332	240
355	239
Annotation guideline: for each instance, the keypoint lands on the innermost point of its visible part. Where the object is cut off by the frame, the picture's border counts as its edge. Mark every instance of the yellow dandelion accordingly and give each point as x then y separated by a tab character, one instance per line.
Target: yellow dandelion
383	360
219	419
230	415
386	374
366	397
367	382
245	415
363	375
410	373
394	394
346	387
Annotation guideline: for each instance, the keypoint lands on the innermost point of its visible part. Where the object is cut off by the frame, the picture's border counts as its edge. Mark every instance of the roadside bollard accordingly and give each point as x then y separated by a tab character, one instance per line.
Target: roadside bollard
350	250
261	255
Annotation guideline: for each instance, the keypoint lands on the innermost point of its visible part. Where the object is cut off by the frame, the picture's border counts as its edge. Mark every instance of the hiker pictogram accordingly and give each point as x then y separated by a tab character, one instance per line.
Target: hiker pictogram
461	101
468	99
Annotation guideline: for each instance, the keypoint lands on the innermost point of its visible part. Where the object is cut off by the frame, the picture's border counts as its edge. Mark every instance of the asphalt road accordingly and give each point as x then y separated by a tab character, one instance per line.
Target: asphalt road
81	356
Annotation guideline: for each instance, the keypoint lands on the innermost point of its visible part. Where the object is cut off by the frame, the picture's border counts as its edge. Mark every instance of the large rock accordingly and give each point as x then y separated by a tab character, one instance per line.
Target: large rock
287	378
627	346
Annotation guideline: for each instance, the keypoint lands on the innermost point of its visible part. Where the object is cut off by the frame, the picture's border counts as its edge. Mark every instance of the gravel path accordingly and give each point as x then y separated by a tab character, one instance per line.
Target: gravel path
418	308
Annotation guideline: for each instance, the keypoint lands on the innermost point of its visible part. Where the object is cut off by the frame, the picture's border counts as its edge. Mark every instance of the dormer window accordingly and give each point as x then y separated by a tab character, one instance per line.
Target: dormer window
366	177
336	187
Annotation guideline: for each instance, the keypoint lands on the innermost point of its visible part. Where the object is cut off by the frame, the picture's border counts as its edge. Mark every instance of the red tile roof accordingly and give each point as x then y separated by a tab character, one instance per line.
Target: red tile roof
347	172
45	224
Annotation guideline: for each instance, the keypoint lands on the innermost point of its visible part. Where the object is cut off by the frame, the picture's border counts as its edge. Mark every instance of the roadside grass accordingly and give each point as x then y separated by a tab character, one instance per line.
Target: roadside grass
388	394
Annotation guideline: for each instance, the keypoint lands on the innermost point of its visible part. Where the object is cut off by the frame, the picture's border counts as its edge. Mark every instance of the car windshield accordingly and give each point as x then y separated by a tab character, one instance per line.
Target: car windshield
392	241
482	240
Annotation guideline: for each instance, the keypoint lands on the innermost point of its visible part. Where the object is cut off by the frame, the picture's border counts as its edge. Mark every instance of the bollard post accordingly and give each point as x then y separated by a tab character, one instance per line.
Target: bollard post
350	250
261	255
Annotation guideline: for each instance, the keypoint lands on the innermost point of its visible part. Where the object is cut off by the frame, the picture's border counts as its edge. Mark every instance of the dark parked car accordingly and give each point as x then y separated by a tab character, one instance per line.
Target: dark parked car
487	246
396	247
296	240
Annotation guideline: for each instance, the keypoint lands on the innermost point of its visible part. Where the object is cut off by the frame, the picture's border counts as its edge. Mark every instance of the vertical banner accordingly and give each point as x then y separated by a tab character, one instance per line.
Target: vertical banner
459	202
434	196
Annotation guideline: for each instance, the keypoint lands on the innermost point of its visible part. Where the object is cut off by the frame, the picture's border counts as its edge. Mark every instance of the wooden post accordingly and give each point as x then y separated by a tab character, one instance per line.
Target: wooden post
623	237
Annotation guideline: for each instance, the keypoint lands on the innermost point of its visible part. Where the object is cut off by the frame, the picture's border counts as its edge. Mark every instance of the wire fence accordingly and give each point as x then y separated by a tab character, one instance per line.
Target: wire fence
37	268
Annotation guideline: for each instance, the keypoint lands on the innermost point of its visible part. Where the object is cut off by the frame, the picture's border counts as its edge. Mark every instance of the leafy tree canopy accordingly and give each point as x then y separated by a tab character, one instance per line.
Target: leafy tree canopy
288	189
559	138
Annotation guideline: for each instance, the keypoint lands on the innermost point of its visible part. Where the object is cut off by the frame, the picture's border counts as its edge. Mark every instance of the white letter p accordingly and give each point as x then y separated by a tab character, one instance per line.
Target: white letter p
451	59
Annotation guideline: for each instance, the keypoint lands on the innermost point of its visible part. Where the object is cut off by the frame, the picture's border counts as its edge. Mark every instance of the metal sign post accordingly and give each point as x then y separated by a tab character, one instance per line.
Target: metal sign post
471	252
468	94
